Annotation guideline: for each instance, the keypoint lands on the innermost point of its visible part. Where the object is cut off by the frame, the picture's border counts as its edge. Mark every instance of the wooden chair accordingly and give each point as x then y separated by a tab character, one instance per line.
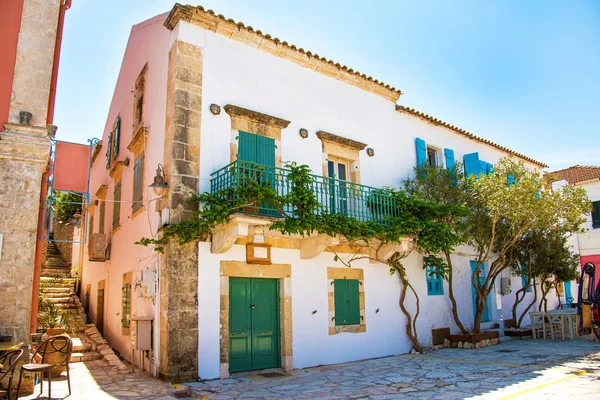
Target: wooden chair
538	326
9	363
57	348
555	325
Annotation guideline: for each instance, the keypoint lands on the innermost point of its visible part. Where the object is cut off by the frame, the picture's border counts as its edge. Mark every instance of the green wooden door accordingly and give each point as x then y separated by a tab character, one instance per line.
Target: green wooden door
253	324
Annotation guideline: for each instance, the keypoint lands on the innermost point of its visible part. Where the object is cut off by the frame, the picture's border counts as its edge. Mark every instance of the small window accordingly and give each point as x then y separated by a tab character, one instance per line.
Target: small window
126	306
138	98
138	181
596	214
435	283
347	301
117	206
432	157
91	228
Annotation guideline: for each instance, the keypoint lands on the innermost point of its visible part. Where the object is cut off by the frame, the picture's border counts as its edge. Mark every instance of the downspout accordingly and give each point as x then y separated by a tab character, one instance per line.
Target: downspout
64	6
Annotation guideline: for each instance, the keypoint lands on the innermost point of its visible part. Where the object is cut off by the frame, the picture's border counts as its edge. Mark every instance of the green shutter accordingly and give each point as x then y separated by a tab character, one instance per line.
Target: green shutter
421	151
471	163
117	205
449	154
101	223
126	305
117	136
138	179
265	151
247	146
108	150
596	214
353	302
347	301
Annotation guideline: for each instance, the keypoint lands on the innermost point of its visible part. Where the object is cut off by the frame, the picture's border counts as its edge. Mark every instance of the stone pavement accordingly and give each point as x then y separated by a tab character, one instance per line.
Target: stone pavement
512	370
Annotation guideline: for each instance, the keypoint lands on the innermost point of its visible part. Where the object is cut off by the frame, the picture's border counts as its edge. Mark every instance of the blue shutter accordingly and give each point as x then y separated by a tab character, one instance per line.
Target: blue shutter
471	162
510	179
449	153
421	151
435	284
490	168
483	168
596	214
524	280
117	136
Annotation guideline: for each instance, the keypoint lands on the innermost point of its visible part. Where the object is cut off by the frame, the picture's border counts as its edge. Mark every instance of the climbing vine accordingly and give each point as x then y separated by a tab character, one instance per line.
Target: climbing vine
299	212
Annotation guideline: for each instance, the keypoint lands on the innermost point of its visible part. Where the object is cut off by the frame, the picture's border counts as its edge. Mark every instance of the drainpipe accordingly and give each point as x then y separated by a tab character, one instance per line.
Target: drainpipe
64	6
39	248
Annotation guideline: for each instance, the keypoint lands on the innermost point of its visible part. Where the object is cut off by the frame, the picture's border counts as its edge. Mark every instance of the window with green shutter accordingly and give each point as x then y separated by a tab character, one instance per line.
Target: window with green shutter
117	137
101	222
346	301
596	214
435	283
117	205
138	180
126	306
108	150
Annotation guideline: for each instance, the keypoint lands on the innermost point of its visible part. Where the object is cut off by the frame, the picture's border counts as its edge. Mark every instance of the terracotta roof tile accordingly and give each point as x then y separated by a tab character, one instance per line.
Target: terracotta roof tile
436	121
218	23
577	173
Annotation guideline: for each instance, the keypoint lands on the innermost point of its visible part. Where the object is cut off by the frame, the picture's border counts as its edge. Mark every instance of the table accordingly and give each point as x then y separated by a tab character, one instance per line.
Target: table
10	346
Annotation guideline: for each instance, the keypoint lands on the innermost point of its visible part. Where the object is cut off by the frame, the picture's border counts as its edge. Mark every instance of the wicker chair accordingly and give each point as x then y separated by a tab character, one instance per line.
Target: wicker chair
9	363
60	346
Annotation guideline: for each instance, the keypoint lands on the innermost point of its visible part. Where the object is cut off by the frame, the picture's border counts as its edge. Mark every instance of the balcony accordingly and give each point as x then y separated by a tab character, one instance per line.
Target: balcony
336	196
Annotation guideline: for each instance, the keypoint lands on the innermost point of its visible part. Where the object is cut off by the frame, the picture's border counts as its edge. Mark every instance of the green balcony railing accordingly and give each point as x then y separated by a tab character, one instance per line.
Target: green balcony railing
336	196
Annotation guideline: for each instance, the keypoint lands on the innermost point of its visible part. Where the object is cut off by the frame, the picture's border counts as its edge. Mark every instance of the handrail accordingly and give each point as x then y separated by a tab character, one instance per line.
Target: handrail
336	196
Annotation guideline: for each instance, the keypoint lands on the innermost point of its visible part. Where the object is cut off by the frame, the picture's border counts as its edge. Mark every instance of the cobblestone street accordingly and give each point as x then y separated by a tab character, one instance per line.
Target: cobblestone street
516	369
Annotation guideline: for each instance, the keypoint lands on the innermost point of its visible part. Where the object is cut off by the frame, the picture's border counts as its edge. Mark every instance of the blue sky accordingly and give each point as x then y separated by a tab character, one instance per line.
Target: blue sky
525	74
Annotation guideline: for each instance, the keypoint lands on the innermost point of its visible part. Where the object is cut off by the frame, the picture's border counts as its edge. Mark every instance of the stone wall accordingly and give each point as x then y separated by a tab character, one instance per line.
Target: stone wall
179	265
23	157
63	233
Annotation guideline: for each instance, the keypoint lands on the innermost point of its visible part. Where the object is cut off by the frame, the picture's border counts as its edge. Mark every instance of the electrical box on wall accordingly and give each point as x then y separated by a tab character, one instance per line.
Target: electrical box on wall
141	336
506	286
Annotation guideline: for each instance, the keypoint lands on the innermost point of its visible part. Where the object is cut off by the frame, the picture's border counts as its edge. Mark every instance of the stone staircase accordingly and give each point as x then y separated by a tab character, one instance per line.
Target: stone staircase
55	264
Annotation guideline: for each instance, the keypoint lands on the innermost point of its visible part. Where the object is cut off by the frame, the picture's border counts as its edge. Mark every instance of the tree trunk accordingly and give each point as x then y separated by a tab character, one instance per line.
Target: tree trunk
543	301
528	307
519	297
411	322
451	296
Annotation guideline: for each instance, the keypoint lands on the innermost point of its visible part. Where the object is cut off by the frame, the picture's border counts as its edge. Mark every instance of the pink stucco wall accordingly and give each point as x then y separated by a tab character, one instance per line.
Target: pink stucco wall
148	43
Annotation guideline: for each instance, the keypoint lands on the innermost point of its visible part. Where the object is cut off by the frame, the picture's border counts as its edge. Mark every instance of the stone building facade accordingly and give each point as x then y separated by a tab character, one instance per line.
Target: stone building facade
24	151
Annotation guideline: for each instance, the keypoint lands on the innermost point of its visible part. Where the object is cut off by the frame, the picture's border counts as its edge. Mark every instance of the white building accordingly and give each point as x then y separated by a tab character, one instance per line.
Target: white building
208	91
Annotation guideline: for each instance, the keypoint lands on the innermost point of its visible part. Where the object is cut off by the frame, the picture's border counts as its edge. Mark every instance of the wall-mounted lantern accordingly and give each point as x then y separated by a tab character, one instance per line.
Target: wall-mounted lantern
370	151
159	185
303	133
215	109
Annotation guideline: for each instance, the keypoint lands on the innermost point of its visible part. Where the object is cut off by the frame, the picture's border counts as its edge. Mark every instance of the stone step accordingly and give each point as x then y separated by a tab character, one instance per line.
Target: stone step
80	346
85	356
57	263
64	280
66	299
57	295
56	289
52	269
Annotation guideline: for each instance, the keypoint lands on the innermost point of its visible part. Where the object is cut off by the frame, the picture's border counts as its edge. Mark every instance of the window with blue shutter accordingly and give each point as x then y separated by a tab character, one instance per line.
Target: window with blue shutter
346	301
596	214
483	168
490	168
449	154
524	278
117	137
471	164
421	151
435	283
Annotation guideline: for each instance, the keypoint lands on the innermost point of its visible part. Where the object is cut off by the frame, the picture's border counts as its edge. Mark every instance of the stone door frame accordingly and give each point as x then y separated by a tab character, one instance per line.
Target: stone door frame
240	269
